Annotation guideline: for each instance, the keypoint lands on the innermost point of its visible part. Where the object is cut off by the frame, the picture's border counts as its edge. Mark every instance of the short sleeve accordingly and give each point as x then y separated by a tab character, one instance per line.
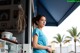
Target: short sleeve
36	32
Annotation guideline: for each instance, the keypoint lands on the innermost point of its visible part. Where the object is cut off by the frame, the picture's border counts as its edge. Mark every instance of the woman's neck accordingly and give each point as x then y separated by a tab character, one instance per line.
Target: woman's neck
40	27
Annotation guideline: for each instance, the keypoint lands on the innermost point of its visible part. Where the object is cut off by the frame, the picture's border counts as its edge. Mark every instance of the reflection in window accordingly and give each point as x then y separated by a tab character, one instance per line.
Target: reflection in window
17	1
5	2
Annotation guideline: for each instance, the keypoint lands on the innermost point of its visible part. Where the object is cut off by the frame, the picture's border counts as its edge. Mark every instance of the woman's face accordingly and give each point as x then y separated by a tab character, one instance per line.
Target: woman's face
42	21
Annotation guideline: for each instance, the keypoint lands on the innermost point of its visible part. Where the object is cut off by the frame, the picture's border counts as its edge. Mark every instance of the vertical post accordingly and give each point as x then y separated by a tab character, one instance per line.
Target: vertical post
29	22
75	46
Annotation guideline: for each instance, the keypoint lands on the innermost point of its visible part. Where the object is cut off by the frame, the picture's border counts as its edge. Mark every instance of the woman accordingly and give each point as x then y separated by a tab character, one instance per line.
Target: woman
39	39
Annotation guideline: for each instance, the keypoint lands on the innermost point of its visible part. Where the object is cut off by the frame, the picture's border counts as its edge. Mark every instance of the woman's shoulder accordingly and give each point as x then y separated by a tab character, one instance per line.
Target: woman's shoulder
36	29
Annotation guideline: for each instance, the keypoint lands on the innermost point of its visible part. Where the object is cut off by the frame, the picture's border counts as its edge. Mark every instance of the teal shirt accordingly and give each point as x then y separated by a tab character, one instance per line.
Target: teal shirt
42	40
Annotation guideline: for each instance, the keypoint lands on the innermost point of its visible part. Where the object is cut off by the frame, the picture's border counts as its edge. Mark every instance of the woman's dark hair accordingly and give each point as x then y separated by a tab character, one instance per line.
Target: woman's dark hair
33	20
37	18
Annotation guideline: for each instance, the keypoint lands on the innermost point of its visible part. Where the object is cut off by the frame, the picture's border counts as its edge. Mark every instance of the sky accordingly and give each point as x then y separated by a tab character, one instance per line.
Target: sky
73	20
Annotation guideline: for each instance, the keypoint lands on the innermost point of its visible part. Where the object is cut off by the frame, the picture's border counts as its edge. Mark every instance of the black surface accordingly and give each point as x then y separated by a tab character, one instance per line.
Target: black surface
5	2
1	32
16	1
26	30
5	15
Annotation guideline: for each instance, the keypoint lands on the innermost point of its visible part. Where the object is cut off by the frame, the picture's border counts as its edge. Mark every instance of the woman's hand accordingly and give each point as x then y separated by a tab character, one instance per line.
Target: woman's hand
49	49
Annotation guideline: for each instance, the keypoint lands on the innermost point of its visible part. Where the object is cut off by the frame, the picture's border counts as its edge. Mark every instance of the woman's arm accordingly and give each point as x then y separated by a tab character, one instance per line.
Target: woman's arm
35	43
